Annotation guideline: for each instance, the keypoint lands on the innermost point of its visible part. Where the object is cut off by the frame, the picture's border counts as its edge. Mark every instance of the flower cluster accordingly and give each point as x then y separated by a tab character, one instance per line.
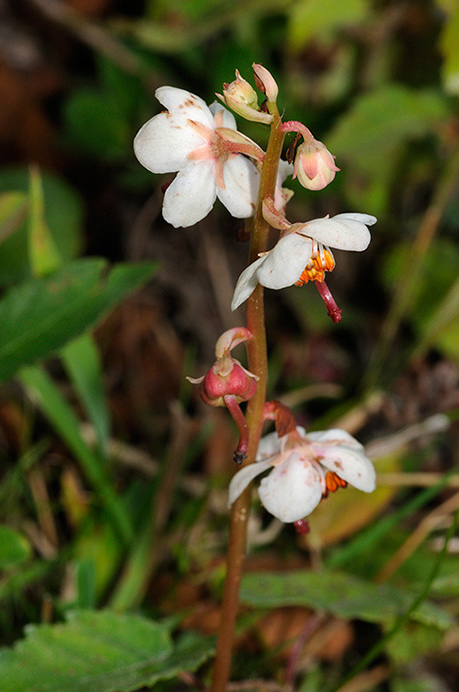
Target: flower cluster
213	160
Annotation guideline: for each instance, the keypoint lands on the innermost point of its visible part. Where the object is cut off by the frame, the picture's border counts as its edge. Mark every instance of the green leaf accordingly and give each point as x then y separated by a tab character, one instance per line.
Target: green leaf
311	17
82	362
42	315
13	211
14	547
340	594
63	213
370	137
97	652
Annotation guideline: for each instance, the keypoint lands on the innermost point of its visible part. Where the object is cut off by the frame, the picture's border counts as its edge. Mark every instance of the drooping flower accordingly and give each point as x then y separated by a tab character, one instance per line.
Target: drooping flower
227	377
302	254
201	143
227	383
314	166
304	469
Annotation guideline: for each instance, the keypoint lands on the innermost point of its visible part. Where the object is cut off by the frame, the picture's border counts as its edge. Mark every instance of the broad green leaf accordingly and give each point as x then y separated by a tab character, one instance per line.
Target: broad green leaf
42	315
13	211
340	594
449	46
14	547
371	136
44	256
47	396
63	213
311	17
82	362
98	652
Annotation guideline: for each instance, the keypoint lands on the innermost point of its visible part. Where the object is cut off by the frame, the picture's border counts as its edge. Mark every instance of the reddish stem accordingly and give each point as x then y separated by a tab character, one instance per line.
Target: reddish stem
333	310
258	364
296	126
233	407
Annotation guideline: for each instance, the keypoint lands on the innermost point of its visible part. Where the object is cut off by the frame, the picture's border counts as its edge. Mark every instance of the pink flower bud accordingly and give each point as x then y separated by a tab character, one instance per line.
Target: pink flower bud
225	378
227	383
314	166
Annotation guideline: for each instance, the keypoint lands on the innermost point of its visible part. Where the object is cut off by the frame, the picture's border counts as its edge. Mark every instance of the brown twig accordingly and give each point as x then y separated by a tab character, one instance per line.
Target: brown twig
432	521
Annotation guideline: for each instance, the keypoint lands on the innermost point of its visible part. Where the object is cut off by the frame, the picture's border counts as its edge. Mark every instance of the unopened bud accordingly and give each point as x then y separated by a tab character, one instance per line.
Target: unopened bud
225	378
265	82
242	98
314	166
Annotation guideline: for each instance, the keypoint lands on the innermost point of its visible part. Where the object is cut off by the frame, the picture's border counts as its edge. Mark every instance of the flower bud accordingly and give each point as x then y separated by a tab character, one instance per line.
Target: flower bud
242	98
225	378
314	166
227	383
265	82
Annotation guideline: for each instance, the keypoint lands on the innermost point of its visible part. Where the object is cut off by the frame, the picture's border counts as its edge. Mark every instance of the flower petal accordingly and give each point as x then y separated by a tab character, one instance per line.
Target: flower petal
367	219
335	436
292	490
284	170
228	119
185	103
269	445
163	143
286	261
241	180
242	478
343	234
190	197
349	464
246	284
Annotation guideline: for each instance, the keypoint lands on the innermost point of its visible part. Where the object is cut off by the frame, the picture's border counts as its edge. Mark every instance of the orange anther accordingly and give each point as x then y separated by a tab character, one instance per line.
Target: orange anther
316	267
333	482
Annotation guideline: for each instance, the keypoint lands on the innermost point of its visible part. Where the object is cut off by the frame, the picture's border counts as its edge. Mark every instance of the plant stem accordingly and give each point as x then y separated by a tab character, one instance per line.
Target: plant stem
258	364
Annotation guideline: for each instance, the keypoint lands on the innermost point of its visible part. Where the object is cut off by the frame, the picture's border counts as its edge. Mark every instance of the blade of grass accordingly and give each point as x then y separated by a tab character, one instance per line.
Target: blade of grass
47	396
82	362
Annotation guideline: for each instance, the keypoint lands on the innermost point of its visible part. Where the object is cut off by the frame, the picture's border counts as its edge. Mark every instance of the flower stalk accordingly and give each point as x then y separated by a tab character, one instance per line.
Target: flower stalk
258	364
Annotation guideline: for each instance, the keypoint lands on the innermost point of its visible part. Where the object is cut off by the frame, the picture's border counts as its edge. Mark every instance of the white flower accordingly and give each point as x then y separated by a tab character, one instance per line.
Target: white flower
203	145
304	468
302	254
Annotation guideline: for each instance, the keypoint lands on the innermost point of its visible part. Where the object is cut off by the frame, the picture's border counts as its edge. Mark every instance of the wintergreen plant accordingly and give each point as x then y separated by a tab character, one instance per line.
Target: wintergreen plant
212	159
